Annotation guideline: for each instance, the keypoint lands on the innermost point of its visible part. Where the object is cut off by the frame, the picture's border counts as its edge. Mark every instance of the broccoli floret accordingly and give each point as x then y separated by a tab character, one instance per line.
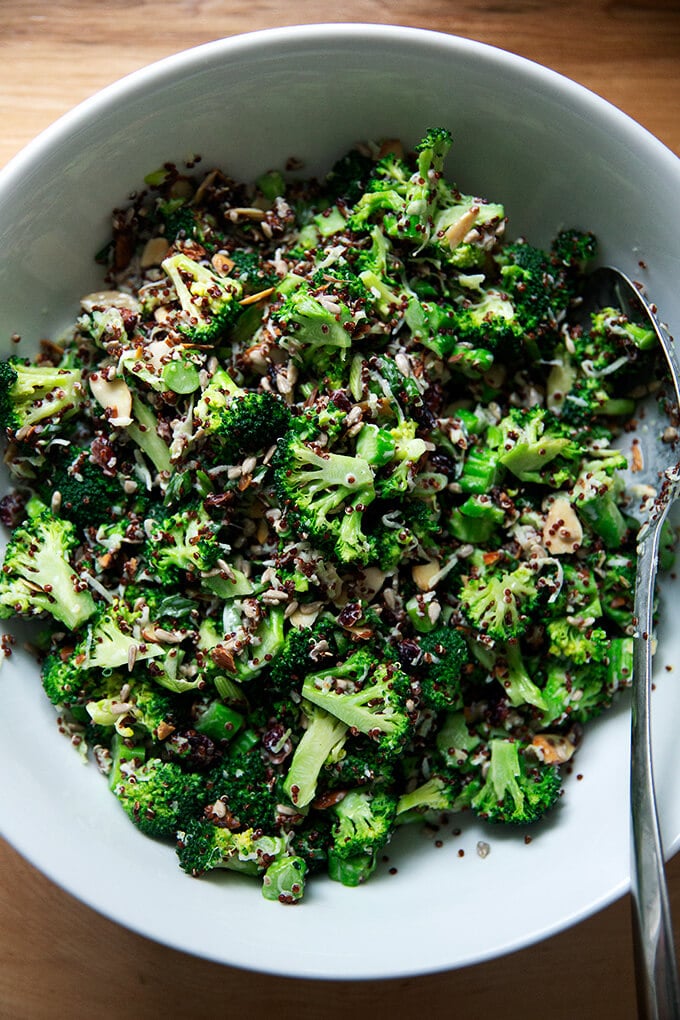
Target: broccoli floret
537	287
209	303
500	603
364	822
184	541
203	846
114	638
63	680
324	735
361	762
485	318
158	796
261	646
578	645
294	660
596	497
574	249
407	203
579	596
580	692
440	792
36	399
37	575
531	438
444	654
284	880
515	790
244	786
87	495
617	587
252	272
312	331
606	366
135	708
348	177
399	477
324	495
364	825
243	421
368	696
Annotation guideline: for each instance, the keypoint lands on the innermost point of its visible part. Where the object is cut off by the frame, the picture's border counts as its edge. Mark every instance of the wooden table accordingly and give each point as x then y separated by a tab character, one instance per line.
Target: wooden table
59	958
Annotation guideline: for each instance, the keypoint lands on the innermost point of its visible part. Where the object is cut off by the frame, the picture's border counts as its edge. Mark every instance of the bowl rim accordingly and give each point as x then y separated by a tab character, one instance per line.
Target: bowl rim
259	39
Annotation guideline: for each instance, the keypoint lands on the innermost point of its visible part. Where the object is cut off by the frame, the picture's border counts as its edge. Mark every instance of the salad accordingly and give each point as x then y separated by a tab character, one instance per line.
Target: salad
319	513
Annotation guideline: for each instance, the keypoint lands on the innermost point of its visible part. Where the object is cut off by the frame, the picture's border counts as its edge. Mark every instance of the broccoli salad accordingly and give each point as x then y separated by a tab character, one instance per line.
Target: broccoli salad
318	512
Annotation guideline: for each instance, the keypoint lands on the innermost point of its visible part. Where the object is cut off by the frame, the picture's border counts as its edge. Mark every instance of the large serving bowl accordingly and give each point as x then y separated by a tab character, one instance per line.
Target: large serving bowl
557	156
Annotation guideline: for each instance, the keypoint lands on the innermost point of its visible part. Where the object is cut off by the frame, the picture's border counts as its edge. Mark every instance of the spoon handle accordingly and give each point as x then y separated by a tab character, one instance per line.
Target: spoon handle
655	961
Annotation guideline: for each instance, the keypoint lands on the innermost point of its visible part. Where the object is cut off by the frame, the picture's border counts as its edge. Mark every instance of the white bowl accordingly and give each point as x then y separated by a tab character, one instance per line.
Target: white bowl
556	155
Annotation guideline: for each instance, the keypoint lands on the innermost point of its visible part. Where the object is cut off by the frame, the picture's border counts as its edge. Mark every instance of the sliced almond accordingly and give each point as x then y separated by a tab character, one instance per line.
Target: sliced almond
252	299
245	213
372	581
113	395
155	250
424	574
391	147
109	299
562	531
302	619
553	749
457	231
222	264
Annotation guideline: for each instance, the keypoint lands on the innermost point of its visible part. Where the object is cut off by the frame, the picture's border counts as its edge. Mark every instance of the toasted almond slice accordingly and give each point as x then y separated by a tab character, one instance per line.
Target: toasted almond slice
155	250
254	298
457	231
245	213
553	749
423	574
391	147
113	395
562	531
222	264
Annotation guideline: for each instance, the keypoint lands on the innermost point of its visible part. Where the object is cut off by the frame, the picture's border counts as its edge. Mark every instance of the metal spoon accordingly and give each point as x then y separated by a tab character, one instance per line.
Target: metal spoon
658	988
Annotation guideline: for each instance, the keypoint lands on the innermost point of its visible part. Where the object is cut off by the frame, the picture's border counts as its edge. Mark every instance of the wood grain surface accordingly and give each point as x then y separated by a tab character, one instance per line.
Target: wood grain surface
57	957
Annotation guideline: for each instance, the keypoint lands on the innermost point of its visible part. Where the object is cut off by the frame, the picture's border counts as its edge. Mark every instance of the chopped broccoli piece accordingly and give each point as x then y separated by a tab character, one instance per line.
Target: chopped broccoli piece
87	495
36	399
37	574
159	796
244	785
364	823
243	421
324	735
500	603
366	695
203	846
514	790
284	879
184	541
530	439
444	655
209	304
324	495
